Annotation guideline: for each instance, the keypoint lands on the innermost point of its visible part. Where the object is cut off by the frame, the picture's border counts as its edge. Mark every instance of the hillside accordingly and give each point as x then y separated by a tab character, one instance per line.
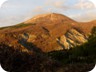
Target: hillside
48	32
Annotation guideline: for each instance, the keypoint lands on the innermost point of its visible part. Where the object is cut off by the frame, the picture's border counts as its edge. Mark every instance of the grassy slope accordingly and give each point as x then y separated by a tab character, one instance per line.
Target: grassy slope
80	58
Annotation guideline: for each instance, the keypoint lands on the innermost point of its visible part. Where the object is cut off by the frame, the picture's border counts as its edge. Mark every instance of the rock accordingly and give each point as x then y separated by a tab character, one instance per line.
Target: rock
31	38
71	39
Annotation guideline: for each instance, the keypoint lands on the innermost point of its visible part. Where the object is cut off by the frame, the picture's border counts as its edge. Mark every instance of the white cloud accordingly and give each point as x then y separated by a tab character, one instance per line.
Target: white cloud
62	5
58	4
84	17
84	4
38	10
1	2
81	4
93	1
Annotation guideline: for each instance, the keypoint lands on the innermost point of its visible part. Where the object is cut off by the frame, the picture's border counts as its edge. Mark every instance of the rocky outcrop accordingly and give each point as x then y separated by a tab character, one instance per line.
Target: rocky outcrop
71	39
31	38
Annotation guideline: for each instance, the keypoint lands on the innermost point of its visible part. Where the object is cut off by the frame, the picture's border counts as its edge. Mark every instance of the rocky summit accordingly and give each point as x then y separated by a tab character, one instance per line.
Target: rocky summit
48	32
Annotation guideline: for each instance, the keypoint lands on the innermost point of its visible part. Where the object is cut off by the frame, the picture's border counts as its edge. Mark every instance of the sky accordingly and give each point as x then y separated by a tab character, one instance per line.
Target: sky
16	11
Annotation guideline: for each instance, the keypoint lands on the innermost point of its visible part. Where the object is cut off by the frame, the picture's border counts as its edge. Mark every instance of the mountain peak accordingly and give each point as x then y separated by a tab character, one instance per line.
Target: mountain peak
50	17
47	14
48	32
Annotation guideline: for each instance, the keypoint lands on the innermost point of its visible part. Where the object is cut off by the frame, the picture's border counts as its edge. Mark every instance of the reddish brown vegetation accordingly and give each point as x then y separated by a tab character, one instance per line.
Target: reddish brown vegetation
52	25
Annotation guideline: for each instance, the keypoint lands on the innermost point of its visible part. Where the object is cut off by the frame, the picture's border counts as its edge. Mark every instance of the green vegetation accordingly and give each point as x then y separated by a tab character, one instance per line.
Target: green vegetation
3	28
14	60
17	26
85	53
20	25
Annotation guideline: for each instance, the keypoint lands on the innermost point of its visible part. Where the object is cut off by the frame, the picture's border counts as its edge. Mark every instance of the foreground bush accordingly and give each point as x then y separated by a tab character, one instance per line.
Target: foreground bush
16	61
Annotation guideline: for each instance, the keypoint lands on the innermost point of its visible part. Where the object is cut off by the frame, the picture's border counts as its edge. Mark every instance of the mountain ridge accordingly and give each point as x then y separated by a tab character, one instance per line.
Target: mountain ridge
48	32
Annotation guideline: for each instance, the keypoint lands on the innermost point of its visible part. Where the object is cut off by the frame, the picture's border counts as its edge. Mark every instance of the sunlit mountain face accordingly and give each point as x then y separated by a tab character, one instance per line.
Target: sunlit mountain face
48	35
47	31
16	11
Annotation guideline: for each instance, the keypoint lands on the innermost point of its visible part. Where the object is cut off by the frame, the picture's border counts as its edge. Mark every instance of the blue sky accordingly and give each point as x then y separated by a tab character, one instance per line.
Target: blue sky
16	11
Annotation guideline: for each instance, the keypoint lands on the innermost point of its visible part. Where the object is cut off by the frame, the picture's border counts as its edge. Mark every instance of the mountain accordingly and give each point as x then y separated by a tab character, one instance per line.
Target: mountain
48	32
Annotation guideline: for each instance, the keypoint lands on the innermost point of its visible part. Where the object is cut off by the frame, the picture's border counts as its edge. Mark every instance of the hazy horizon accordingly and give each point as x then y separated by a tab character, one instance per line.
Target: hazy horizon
16	11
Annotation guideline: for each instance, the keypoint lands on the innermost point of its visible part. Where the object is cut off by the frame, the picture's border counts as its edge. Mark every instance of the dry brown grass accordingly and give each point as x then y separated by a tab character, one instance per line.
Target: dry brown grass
52	25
